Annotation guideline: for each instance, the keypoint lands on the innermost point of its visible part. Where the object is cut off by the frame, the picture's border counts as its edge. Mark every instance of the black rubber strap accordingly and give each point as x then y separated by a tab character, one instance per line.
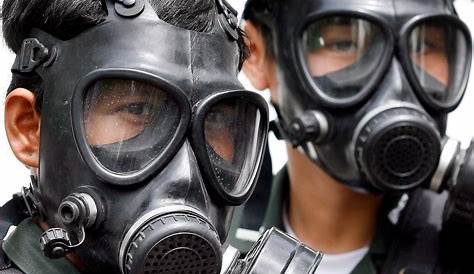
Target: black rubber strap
415	248
12	213
7	217
458	221
6	266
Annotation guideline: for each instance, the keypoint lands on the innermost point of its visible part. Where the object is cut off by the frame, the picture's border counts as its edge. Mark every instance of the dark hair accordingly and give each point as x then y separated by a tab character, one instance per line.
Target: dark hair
252	10
67	18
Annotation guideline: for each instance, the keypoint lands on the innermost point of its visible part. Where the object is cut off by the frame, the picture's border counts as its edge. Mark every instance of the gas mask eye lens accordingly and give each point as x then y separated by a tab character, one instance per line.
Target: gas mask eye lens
219	131
437	52
232	134
339	54
122	121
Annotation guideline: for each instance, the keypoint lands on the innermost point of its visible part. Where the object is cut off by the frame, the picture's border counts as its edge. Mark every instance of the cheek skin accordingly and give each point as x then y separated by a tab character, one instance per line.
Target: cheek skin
222	145
108	129
435	65
323	62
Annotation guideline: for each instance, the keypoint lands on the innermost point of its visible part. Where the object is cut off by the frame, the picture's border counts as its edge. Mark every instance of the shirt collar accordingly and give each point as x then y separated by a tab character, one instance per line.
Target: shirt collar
279	194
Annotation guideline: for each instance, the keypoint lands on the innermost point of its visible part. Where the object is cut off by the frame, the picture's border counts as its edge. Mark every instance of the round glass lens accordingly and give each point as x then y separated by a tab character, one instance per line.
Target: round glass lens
128	123
232	129
438	56
341	54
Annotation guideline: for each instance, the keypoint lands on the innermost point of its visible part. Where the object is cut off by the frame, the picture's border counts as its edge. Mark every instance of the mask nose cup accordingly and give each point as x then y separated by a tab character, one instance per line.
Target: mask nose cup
398	149
174	243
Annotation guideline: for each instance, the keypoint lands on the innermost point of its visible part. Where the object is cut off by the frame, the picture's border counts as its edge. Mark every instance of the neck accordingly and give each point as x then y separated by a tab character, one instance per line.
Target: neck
325	214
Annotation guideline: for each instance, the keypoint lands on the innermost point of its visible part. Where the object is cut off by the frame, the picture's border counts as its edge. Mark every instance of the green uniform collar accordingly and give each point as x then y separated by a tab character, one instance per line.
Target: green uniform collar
378	248
23	249
278	195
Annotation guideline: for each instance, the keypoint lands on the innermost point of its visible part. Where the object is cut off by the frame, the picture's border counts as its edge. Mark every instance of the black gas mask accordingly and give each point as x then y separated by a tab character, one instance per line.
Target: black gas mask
148	140
365	86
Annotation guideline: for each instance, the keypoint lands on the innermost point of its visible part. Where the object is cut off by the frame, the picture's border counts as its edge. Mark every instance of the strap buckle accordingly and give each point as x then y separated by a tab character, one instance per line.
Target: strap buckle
30	201
31	55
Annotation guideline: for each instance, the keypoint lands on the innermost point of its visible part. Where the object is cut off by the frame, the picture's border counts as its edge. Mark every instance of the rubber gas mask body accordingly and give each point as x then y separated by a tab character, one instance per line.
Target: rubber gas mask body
365	86
148	140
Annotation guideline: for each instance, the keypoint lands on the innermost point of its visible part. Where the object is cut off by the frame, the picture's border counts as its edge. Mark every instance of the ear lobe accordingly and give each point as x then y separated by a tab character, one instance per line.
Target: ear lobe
22	125
256	66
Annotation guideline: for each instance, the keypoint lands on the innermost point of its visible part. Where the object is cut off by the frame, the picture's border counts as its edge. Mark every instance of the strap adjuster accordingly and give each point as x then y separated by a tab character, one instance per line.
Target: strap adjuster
228	19
31	55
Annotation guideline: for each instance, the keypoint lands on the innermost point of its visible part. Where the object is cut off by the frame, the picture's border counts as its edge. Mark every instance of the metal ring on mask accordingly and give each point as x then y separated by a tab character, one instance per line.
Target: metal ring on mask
83	238
411	75
145	219
381	175
369	116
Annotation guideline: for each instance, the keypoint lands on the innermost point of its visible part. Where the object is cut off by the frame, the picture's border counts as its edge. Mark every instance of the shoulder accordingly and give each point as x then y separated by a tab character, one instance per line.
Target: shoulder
9	216
417	243
6	266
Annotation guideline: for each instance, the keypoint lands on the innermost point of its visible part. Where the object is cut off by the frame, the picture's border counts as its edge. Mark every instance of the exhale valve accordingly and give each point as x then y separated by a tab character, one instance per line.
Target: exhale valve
77	211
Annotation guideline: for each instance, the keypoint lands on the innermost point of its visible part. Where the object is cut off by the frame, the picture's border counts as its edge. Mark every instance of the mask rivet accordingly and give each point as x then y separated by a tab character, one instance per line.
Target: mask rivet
129	8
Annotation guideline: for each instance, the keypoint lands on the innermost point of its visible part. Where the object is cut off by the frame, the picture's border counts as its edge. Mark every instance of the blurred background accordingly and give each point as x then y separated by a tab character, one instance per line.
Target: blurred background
14	175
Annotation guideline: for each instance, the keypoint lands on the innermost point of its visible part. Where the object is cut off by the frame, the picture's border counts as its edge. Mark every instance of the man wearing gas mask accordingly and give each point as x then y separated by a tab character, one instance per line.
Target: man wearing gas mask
362	90
139	136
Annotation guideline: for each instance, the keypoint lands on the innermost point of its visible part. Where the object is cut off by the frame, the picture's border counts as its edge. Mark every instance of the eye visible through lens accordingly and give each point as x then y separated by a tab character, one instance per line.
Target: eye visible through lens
342	54
127	123
428	50
335	43
231	130
120	110
437	50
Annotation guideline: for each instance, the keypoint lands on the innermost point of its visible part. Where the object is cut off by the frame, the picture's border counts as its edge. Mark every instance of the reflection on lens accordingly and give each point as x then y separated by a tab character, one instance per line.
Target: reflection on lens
437	51
335	43
220	130
119	110
231	132
122	121
341	53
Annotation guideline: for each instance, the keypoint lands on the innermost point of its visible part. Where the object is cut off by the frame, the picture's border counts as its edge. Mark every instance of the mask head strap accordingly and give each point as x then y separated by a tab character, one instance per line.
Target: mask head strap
31	55
228	19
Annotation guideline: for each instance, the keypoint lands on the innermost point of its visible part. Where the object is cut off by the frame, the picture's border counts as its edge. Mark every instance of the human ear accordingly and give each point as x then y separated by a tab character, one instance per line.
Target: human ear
22	125
256	67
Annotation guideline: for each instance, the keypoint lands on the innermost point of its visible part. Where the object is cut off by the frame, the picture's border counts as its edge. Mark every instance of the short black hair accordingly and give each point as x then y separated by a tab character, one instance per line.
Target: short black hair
65	19
253	9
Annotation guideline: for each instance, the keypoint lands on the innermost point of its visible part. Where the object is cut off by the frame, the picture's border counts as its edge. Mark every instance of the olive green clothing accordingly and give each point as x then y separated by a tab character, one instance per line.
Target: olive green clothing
371	263
22	247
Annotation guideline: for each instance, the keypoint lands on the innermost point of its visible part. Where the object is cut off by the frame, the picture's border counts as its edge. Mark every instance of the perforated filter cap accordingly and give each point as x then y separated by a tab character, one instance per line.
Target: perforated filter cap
178	243
398	149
